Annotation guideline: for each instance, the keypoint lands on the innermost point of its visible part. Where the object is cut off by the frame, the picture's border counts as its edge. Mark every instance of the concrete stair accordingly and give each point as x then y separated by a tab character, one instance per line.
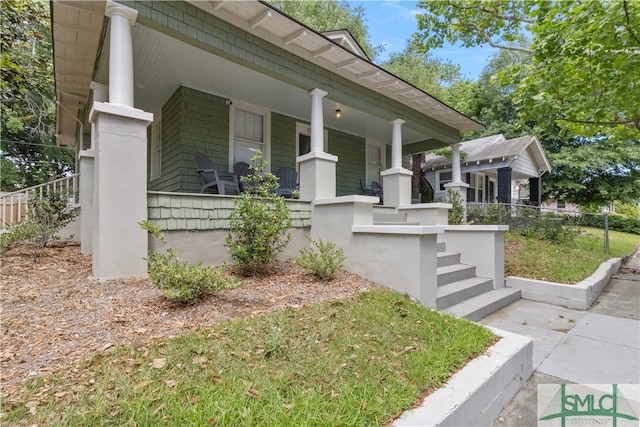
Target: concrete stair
463	294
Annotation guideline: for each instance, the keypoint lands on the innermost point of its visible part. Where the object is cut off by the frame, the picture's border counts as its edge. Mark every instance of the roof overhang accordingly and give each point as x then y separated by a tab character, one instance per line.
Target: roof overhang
78	32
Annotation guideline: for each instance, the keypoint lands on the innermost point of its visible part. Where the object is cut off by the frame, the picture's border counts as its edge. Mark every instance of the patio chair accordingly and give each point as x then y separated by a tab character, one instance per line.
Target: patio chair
287	180
242	169
376	188
367	191
224	182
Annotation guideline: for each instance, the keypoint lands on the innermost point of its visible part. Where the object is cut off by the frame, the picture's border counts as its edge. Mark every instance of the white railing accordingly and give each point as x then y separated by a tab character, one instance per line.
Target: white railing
15	205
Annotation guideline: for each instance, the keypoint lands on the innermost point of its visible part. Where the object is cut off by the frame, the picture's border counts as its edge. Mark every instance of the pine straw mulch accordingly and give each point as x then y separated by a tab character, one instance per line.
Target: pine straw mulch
55	313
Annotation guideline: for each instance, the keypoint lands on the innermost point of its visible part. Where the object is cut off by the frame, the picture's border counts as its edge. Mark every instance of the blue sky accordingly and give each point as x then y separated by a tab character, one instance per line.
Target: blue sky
391	22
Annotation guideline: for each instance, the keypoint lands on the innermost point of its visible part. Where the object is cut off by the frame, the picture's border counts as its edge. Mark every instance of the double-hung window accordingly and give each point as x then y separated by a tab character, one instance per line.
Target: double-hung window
444	178
250	130
375	160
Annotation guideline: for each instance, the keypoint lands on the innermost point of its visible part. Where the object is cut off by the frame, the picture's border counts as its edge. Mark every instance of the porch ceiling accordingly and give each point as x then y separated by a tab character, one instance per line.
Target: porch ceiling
163	63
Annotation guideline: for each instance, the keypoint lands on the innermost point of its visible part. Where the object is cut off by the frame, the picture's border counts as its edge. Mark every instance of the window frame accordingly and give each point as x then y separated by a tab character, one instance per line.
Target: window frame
383	161
440	182
155	154
266	130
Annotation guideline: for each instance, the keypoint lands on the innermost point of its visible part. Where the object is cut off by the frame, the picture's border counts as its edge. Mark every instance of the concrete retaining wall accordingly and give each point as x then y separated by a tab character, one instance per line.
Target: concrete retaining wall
579	296
476	394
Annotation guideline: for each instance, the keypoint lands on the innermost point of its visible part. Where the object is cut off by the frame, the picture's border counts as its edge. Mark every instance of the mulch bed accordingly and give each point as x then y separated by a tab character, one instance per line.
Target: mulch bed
55	313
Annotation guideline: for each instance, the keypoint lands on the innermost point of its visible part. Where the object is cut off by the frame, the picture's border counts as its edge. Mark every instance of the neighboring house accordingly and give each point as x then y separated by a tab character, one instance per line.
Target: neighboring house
495	169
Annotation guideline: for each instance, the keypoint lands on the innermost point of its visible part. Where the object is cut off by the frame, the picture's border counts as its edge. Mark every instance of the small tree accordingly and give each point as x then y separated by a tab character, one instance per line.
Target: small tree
259	222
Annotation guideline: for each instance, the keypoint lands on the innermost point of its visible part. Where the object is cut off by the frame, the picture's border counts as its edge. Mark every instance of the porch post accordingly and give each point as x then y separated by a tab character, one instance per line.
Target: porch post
456	183
504	185
120	53
120	147
317	168
534	191
396	182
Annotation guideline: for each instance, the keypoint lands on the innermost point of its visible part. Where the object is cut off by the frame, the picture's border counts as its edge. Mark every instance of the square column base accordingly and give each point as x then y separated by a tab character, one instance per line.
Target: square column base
317	176
120	199
396	186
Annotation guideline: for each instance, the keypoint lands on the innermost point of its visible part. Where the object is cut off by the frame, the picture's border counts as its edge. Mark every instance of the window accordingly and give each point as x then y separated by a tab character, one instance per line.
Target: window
444	178
561	205
250	128
375	159
155	170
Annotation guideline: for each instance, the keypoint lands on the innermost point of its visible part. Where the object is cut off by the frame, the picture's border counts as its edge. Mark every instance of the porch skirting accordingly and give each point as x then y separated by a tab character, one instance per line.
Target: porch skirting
197	225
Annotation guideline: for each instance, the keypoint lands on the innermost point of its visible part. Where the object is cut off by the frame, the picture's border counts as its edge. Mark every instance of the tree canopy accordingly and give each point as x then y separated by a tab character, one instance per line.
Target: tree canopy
29	153
566	71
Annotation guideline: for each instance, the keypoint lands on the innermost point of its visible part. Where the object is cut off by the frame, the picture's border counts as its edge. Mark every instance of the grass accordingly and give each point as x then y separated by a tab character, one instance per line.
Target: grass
568	262
357	362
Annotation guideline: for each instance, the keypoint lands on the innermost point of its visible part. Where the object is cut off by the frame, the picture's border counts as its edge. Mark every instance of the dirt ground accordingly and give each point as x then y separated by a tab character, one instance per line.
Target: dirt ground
55	313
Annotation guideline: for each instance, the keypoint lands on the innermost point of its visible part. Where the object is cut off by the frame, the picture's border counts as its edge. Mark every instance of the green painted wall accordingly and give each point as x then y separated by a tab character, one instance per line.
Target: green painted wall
283	141
350	169
192	121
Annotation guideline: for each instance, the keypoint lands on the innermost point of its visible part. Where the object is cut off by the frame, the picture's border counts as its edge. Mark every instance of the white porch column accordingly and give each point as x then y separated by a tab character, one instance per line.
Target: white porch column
456	183
396	144
120	53
317	119
396	182
317	168
120	162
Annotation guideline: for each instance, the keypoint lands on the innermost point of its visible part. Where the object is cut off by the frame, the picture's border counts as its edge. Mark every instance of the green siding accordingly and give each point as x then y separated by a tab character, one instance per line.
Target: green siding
283	141
174	211
192	121
350	168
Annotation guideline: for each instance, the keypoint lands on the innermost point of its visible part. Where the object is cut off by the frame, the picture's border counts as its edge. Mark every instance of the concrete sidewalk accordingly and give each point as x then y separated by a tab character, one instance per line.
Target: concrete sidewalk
598	346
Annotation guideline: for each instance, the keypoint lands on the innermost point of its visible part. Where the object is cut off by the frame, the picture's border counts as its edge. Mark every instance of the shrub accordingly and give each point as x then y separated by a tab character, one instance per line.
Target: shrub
259	221
325	261
47	216
456	213
179	281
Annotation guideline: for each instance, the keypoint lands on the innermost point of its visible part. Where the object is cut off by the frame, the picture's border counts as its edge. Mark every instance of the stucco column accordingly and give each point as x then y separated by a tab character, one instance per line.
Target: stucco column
317	168
120	53
88	191
119	244
456	183
396	182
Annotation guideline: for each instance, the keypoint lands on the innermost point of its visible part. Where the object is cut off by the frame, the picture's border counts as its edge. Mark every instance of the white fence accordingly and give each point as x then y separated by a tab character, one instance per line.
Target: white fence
15	205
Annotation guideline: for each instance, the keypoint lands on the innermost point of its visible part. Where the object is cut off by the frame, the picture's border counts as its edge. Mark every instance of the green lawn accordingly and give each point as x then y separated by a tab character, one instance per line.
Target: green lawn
564	263
355	362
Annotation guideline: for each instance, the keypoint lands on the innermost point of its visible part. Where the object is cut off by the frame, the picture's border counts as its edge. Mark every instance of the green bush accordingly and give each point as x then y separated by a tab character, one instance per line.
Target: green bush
179	281
456	213
324	262
46	217
259	221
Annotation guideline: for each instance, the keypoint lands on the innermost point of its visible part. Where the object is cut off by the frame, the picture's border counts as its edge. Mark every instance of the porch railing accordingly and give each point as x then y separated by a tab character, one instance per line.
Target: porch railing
15	205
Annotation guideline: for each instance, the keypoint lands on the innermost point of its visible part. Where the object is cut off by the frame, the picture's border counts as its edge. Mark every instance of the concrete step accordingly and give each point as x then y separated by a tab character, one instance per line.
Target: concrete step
448	258
457	292
442	247
454	273
483	305
395	223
